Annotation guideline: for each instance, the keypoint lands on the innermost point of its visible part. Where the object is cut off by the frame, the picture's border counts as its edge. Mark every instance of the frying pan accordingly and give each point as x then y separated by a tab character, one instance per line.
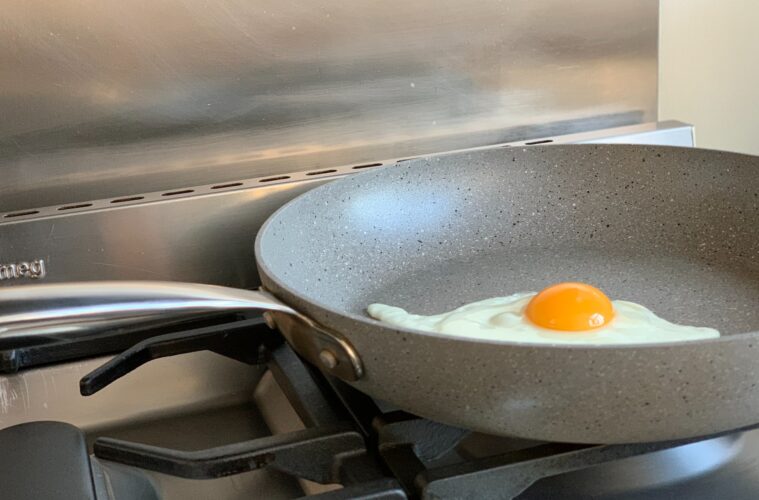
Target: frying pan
674	229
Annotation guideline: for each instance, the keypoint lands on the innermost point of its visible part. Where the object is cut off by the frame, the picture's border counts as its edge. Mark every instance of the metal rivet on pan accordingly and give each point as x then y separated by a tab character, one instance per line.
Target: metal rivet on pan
269	319
328	359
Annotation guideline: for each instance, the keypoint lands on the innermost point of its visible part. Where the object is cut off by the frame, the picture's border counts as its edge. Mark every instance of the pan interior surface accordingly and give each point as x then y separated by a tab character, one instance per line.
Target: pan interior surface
673	229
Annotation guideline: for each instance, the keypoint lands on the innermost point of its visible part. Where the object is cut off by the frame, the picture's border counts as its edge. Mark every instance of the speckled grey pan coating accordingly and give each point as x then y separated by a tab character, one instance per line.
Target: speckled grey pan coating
674	229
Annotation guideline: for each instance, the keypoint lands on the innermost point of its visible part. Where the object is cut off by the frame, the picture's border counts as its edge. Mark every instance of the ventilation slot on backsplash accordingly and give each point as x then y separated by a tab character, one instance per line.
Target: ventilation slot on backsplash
174	193
271	179
21	214
320	172
368	165
544	141
224	186
72	207
124	200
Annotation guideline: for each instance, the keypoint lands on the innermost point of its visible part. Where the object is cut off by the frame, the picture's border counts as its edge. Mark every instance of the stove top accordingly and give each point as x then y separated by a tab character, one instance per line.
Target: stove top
326	433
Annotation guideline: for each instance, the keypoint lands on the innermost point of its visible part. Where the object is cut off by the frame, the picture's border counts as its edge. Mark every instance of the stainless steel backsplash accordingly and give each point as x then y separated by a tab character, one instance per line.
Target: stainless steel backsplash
108	98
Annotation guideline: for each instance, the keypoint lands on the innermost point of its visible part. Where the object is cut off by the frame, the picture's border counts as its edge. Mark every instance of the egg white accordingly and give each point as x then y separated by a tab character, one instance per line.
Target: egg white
503	318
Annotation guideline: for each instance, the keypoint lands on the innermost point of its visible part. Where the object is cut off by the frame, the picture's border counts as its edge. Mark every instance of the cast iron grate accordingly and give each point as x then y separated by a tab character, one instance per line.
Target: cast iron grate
349	439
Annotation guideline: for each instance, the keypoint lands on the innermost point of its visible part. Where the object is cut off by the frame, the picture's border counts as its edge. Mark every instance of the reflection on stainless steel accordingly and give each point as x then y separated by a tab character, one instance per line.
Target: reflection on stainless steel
205	235
163	387
113	98
153	241
31	310
652	474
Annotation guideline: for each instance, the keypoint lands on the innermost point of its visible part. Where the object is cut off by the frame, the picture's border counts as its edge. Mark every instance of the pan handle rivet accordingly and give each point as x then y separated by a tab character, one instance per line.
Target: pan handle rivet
328	359
269	319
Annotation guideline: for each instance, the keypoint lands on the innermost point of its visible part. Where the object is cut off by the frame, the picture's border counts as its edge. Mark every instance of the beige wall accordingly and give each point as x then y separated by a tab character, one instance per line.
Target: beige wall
709	70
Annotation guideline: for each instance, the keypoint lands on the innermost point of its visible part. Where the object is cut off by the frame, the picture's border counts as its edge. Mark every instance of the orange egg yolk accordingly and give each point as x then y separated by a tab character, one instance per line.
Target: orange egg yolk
571	307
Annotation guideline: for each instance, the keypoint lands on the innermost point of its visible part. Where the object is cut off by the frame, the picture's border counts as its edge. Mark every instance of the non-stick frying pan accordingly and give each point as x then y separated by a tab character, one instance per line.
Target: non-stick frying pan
674	229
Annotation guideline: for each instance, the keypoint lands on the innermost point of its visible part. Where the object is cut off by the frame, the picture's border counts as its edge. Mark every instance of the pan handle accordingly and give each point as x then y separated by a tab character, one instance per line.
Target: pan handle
42	309
71	310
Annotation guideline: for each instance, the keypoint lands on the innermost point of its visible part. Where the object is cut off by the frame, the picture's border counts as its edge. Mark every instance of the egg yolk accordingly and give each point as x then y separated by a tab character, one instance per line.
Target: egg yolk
570	307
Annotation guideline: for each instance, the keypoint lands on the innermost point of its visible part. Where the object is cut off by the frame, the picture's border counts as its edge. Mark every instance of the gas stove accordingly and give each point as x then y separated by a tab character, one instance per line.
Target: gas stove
329	441
234	417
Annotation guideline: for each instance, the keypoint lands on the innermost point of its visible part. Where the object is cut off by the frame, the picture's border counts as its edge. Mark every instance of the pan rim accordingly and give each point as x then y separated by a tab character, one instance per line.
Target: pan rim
263	268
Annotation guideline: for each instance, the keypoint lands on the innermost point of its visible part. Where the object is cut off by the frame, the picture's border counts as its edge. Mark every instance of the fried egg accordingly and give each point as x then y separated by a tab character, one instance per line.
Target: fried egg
567	313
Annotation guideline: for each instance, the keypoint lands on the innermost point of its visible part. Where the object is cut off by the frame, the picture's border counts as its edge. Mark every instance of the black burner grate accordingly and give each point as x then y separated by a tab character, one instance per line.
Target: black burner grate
349	439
